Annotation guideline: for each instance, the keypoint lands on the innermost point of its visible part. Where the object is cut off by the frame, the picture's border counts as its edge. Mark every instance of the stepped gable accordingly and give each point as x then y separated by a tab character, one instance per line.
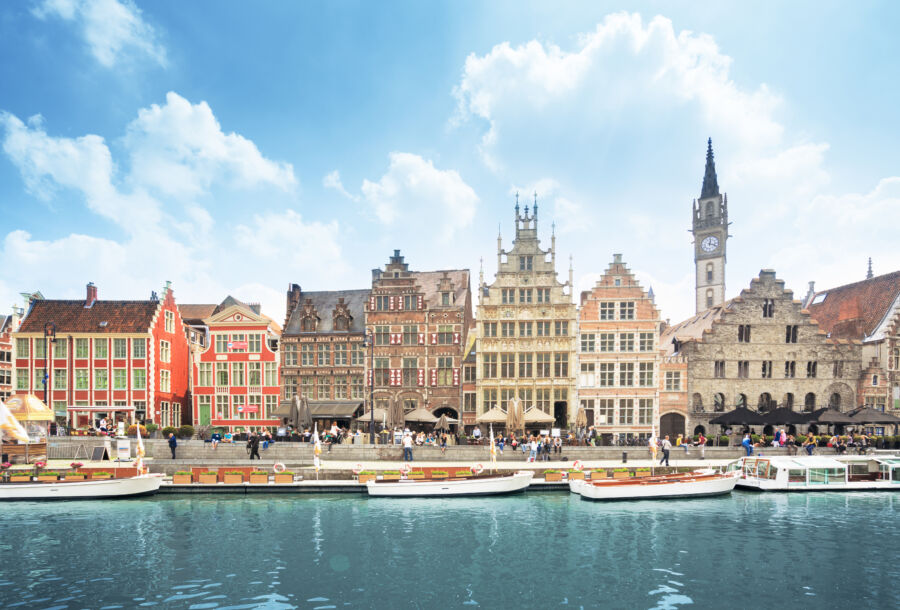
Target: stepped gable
855	311
323	303
71	316
430	282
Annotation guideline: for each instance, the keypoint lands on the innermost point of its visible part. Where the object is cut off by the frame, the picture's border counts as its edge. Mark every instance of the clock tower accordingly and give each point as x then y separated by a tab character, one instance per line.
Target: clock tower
710	230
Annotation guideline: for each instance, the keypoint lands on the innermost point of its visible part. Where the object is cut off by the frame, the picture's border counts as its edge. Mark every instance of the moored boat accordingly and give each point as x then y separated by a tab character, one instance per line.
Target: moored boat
101	489
680	485
478	485
818	473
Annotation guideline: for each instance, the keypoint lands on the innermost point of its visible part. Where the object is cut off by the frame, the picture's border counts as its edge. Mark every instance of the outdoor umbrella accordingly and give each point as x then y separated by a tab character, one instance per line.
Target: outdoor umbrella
786	416
494	416
421	416
581	418
444	422
28	407
395	414
873	416
303	414
829	416
536	416
740	416
515	418
365	418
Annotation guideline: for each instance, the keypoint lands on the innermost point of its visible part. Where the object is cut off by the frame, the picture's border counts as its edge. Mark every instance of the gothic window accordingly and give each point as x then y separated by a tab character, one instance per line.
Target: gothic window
835	401
709	210
789	400
790	369
719	402
342	323
811	369
874	379
720	369
765	402
809	404
838	369
768	309
766	369
790	333
742	401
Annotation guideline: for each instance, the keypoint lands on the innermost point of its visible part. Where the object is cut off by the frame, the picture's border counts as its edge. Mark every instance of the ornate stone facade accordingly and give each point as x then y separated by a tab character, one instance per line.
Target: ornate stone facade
761	350
618	339
527	329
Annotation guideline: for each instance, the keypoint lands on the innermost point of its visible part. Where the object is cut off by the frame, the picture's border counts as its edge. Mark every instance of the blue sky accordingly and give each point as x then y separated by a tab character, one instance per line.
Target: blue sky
234	148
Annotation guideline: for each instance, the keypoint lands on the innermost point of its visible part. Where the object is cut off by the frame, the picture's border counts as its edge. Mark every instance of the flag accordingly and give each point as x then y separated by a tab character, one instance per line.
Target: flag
139	451
10	426
317	448
493	449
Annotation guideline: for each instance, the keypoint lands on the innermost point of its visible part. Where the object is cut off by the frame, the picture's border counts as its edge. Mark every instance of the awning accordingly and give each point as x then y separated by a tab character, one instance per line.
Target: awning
338	409
785	416
28	407
536	416
283	410
829	416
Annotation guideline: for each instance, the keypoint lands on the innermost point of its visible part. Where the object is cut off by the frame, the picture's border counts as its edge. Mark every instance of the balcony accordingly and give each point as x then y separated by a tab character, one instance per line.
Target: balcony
220	389
254	389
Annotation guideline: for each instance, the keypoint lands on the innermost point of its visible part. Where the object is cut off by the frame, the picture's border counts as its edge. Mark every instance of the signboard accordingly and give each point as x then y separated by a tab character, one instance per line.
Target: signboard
120	429
555	433
123	450
251	408
99	453
237	345
545	432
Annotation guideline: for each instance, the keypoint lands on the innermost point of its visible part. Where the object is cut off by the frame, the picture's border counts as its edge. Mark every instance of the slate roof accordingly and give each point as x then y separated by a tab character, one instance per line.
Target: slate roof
854	311
430	280
324	303
74	317
693	327
196	313
4	320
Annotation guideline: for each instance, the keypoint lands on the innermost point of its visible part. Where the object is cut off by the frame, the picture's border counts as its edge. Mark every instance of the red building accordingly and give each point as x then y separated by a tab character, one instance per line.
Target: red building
6	351
105	358
235	376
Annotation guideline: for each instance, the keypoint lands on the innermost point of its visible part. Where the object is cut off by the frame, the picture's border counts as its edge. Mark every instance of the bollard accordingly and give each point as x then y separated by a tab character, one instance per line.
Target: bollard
624	457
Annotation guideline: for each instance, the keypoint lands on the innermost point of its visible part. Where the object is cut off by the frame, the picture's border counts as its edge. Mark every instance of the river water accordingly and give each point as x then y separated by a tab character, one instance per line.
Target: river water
534	550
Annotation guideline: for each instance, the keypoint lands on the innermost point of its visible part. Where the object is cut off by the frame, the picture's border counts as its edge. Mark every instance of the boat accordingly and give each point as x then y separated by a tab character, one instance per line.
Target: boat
818	473
100	489
680	485
478	485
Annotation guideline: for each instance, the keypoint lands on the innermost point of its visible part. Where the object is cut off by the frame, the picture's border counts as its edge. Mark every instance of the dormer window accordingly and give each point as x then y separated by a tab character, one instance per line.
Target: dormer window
308	325
342	323
445	299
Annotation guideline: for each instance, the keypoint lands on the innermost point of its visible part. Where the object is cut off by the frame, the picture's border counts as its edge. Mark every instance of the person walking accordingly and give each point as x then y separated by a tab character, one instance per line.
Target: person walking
666	447
701	442
533	449
407	447
172	443
253	443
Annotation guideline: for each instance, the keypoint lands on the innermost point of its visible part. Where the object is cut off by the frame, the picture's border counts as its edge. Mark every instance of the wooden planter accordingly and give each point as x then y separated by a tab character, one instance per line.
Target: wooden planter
363	478
596	474
553	476
416	475
642	473
281	478
233	479
209	478
439	477
75	477
182	479
572	476
101	476
21	478
390	477
621	475
259	479
46	478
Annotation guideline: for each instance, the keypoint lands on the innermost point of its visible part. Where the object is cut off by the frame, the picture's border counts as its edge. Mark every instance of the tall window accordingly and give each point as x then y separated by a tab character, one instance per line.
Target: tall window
270	372
165	352
340	387
743	369
255	341
101	379
560	364
101	348
543	295
410	302
222	408
60	348
410	334
323	387
768	308
489	396
290	354
40	350
507	366
221	343
382	335
306	385
673	381
542	399
542	364
120	348
587	342
543	329
445	334
22	350
81	347
524	295
308	324
82	379
607	310
605	411
341	323
138	348
812	368
526	365
790	368
626	374
120	379
445	370
646	342
743	333
838	369
767	369
340	354
790	333
525	329
204	374
720	369
607	342
357	354
271	405
562	328
382	303
645	411
469	402
22	379
645	374
709	298
306	354
445	299
508	296
170	322
626	310
237	374
356	386
526	263
490	329
606	375
59	379
221	374
525	395
709	273
626	411
489	365
506	394
411	372
254	373
587	374
626	342
324	354
507	329
382	371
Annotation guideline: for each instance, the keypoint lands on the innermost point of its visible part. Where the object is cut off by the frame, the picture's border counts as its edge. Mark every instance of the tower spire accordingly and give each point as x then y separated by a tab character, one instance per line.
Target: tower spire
869	274
710	181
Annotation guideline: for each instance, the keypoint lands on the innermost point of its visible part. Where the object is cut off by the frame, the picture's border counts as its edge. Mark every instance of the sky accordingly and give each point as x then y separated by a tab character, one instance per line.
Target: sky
235	148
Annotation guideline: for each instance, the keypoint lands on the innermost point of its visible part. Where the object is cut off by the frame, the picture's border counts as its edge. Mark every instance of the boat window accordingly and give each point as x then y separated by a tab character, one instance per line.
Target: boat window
827	476
773	472
750	468
762	468
796	477
895	475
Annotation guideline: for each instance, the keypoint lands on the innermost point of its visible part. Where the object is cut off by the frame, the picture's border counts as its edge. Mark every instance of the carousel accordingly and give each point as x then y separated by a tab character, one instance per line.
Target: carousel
35	417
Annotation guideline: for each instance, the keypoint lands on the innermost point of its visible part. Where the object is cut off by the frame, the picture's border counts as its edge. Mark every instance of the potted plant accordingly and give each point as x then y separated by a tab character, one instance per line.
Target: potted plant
621	473
597	474
19	477
391	475
416	474
233	477
573	474
552	475
182	477
132	431
210	477
365	476
259	477
642	472
75	475
152	430
284	477
462	474
438	474
101	474
48	475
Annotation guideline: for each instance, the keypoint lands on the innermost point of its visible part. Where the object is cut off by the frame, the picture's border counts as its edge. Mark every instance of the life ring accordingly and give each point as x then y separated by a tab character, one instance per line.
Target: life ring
405	469
478	469
358	469
576	465
278	467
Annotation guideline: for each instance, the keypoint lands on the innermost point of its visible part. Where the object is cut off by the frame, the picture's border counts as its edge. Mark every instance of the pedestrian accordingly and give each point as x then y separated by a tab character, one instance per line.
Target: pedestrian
533	449
701	442
666	447
443	442
253	443
407	447
747	444
215	439
172	443
545	455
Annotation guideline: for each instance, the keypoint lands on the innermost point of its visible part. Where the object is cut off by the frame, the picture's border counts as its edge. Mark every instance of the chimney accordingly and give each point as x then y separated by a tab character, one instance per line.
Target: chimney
91	296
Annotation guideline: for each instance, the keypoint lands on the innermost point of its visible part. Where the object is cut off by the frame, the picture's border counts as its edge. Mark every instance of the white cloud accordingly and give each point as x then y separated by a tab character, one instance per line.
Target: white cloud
179	149
112	30
332	180
414	193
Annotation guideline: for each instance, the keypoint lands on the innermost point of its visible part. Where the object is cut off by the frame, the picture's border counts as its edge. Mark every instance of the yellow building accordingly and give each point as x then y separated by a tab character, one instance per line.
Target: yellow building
527	329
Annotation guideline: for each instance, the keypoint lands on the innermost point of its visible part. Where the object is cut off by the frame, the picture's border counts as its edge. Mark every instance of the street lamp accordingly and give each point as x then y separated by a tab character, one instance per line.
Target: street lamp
369	341
49	339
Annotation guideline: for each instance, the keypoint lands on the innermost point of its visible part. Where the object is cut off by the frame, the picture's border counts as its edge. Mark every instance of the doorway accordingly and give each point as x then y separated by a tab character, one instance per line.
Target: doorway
671	424
561	414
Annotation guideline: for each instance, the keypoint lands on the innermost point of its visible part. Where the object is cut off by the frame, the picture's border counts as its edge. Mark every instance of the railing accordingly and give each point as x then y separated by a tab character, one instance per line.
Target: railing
254	389
221	389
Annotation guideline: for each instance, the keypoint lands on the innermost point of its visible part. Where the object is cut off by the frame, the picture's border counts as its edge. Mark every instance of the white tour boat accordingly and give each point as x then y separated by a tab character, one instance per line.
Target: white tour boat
478	485
818	473
680	485
100	489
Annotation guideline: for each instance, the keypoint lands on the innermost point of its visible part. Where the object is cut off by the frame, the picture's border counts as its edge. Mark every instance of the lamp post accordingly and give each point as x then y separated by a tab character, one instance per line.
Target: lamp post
49	339
369	342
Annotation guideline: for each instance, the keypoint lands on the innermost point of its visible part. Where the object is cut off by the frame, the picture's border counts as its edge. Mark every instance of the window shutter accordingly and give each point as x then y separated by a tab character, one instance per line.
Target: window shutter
455	376
371	303
420	302
434	376
393	303
434	338
421	338
456	338
421	377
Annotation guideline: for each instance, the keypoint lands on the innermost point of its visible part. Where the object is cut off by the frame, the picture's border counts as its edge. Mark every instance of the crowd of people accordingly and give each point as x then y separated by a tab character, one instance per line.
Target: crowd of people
809	443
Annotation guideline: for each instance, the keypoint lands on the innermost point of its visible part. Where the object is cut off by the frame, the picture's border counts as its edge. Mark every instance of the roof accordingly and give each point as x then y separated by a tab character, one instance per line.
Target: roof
195	313
855	311
230	301
4	320
430	281
692	328
107	317
324	303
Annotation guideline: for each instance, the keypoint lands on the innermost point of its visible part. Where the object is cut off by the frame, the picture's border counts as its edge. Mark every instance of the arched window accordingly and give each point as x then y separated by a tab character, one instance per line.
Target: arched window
709	272
709	298
789	400
342	323
809	403
835	401
742	400
765	402
698	403
719	404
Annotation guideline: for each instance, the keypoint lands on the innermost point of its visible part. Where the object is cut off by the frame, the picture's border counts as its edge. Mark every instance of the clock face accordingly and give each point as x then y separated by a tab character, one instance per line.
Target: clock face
709	243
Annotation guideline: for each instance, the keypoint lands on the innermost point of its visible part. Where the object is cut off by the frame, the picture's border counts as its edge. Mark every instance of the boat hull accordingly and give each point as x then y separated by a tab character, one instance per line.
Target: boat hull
650	490
487	486
108	489
757	485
